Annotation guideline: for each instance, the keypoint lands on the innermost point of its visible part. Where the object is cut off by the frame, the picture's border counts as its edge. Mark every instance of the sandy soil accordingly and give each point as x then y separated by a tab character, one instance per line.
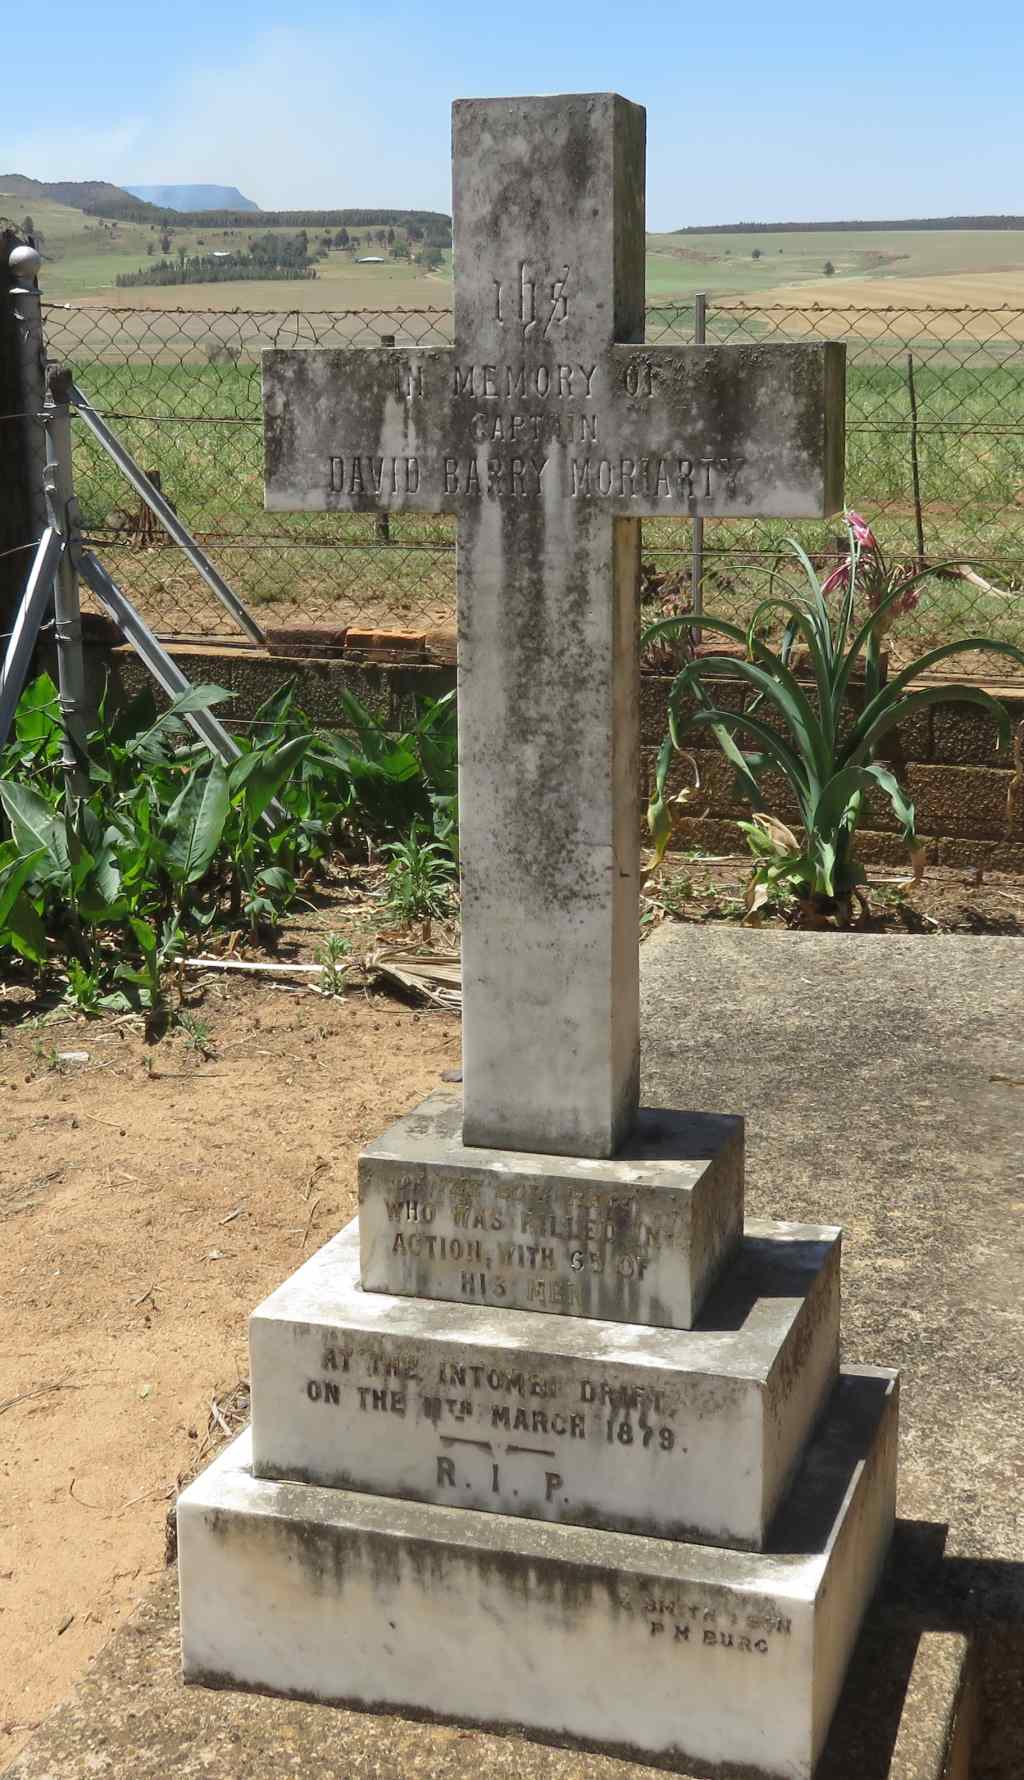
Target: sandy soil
149	1198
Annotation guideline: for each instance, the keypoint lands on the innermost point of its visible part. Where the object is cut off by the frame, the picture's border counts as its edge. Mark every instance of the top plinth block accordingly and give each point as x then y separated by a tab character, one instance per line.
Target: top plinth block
639	1238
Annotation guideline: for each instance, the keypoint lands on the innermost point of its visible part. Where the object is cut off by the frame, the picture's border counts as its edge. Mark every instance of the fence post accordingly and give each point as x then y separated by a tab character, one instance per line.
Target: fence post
382	521
700	317
22	443
62	512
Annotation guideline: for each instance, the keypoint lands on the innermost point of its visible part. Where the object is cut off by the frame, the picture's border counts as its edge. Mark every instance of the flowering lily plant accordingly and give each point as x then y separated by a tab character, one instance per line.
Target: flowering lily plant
874	579
795	730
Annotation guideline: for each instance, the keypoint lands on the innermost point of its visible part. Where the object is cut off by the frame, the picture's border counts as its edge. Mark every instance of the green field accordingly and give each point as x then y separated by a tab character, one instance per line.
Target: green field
83	255
725	264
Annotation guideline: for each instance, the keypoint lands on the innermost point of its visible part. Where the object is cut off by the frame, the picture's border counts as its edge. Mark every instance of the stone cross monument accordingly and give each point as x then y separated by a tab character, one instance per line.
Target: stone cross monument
550	430
551	1439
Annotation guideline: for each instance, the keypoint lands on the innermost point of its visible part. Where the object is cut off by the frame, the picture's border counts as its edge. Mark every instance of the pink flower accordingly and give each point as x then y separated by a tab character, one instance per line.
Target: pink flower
838	578
861	530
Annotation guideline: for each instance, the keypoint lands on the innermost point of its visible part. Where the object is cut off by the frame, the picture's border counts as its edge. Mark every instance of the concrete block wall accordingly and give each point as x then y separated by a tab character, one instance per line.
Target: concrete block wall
946	755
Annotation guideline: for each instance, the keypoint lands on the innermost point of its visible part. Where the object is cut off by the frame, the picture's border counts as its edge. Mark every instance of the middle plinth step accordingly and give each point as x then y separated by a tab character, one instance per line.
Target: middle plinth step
684	1434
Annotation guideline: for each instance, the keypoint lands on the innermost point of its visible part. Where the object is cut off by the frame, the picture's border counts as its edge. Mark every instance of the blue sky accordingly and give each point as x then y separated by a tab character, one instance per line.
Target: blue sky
755	112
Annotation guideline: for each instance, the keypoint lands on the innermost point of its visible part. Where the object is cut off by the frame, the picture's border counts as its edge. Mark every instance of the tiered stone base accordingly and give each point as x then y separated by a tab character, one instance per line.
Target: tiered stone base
692	1656
678	1433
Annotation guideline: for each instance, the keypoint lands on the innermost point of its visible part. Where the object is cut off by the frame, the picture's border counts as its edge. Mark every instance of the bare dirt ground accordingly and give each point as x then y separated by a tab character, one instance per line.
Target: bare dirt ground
152	1193
149	1198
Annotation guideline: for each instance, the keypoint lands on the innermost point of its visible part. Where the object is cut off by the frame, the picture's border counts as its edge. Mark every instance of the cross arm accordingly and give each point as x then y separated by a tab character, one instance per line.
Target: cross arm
724	431
640	431
356	430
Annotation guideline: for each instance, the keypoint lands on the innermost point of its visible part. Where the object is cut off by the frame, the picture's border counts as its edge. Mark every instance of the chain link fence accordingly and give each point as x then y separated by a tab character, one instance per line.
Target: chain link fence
935	461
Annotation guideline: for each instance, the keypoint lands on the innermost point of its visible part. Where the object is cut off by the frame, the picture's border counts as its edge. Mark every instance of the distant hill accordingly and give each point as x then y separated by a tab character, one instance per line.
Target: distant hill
826	228
198	198
97	197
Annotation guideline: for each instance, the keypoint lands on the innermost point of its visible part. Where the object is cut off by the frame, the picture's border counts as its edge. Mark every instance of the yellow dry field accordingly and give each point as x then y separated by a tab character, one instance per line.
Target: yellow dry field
979	291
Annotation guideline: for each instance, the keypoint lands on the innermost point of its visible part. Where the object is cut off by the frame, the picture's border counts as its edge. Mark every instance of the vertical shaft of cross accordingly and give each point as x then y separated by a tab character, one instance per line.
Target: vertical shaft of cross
549	273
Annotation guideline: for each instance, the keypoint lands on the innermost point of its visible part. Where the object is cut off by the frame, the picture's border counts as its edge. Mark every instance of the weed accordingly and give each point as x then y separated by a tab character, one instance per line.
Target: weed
197	1035
334	957
420	878
674	894
47	1058
168	843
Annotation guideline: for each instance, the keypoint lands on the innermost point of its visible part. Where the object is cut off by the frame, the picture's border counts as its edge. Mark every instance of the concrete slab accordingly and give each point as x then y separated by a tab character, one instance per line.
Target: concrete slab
880	1078
676	1433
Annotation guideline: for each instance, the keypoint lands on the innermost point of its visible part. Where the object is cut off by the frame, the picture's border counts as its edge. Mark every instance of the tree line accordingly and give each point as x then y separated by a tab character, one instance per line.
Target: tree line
435	226
815	228
268	257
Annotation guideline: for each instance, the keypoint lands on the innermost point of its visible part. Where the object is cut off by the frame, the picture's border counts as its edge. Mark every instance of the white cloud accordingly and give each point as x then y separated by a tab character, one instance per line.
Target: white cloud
66	151
318	118
300	119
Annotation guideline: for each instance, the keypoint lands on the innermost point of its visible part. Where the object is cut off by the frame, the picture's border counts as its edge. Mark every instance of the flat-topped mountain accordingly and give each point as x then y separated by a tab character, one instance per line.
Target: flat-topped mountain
192	197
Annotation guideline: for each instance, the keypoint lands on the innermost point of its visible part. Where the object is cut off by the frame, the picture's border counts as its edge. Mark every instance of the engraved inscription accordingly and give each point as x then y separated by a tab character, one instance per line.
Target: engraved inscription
512	1416
521	1248
508	383
692	1622
373	475
535	302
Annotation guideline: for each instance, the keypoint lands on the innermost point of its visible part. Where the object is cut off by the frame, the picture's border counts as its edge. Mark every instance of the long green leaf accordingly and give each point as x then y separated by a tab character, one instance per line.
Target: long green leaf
893	688
195	823
799	619
12	878
197	698
897	711
808	724
835	798
273	767
817	610
25	931
37	828
659	822
780	688
779	751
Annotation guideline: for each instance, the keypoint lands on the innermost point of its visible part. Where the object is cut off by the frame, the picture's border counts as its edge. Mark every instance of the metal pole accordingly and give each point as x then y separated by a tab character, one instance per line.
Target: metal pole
27	310
915	466
29	616
63	517
700	317
382	521
168	519
164	670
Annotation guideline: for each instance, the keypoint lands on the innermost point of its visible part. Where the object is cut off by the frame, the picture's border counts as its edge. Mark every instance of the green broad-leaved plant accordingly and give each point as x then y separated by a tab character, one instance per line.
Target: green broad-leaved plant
104	890
796	730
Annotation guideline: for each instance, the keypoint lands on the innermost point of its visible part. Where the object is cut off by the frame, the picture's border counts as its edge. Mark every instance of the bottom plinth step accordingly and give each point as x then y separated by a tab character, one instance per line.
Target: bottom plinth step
690	1656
